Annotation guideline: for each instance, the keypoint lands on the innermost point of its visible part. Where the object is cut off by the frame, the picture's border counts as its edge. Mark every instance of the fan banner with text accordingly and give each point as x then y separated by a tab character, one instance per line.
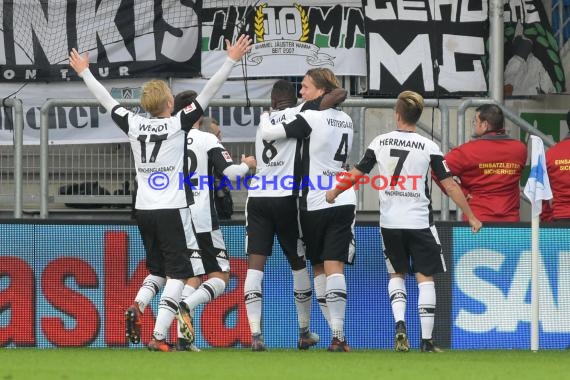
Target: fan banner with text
125	39
441	48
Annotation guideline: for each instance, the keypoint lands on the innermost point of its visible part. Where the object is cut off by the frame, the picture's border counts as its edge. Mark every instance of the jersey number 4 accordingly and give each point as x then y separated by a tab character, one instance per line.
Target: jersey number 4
342	151
157	140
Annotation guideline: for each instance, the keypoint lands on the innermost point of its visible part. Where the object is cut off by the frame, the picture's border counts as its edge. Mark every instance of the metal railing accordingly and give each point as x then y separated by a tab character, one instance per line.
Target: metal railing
18	111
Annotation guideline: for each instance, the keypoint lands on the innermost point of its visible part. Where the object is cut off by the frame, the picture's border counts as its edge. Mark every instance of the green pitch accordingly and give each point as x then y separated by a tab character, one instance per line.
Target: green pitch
230	364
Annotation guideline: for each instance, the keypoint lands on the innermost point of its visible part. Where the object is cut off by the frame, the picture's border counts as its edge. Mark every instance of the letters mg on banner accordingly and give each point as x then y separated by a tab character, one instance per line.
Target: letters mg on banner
129	41
439	48
289	38
435	50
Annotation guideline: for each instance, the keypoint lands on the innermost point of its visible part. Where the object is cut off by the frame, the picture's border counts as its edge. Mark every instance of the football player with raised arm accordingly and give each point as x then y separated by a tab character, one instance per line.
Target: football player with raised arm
406	221
327	228
163	216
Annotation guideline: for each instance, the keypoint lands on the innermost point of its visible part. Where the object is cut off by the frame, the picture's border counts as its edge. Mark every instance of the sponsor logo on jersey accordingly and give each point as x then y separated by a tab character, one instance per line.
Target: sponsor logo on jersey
227	156
189	108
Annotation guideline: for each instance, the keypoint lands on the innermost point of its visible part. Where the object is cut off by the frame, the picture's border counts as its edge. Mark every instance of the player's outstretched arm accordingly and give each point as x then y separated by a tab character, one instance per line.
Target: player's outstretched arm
454	192
345	182
235	52
80	63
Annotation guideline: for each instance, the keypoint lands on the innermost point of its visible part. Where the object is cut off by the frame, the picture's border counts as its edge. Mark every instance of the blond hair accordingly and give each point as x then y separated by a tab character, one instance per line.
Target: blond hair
323	78
155	96
410	105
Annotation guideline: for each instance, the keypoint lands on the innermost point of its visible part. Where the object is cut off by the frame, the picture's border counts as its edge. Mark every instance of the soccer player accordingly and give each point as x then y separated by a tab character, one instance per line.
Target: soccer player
327	228
489	167
206	158
558	167
272	209
406	221
162	213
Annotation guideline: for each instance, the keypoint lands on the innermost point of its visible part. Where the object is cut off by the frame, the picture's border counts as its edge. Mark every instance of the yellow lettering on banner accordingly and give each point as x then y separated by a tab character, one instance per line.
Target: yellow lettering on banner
565	167
563	161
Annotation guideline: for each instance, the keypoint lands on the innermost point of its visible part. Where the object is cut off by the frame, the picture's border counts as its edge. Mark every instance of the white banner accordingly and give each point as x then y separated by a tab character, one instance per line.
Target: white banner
67	125
93	125
289	39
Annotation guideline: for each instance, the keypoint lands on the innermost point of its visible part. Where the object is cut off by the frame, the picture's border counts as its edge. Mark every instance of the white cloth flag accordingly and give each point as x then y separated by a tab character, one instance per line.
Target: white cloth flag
537	187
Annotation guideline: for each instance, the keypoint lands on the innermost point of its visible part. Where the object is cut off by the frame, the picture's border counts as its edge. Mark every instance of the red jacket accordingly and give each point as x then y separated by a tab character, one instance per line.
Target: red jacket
489	168
558	167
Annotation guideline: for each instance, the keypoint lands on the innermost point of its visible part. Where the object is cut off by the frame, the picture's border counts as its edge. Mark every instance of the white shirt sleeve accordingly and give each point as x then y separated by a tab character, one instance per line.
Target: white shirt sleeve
215	83
233	171
98	90
269	131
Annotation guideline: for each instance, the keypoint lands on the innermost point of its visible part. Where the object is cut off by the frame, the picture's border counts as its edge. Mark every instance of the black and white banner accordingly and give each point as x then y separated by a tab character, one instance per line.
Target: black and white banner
438	48
125	39
434	48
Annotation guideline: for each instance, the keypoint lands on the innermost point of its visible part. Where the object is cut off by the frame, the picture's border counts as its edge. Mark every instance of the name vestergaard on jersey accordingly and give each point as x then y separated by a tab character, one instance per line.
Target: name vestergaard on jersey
153	128
402	143
339	123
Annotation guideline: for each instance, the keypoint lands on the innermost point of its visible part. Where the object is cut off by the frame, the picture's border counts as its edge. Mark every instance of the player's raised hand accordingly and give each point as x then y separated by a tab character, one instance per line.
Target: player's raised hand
239	48
333	98
77	61
249	161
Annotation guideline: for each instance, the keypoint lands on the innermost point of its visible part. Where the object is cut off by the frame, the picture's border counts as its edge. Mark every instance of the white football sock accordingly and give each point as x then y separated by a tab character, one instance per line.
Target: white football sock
150	286
208	291
303	294
167	307
336	303
426	308
320	283
398	298
252	292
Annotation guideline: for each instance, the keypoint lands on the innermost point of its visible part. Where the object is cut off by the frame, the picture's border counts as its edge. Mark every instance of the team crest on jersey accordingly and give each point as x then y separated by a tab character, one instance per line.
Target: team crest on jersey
189	108
227	156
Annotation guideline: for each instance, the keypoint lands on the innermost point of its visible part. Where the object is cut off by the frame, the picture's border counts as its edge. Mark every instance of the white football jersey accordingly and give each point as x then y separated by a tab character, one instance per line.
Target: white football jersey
328	138
207	157
275	173
404	159
159	147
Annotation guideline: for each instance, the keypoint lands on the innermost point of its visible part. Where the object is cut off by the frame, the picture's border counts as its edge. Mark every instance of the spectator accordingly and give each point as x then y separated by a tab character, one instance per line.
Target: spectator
558	167
489	167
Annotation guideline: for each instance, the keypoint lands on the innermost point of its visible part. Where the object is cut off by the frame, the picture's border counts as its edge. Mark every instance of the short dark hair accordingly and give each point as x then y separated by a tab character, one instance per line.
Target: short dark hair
492	114
182	99
283	95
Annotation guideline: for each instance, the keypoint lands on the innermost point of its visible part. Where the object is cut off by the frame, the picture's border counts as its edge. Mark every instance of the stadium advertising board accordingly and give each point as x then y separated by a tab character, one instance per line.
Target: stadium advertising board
492	285
68	285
